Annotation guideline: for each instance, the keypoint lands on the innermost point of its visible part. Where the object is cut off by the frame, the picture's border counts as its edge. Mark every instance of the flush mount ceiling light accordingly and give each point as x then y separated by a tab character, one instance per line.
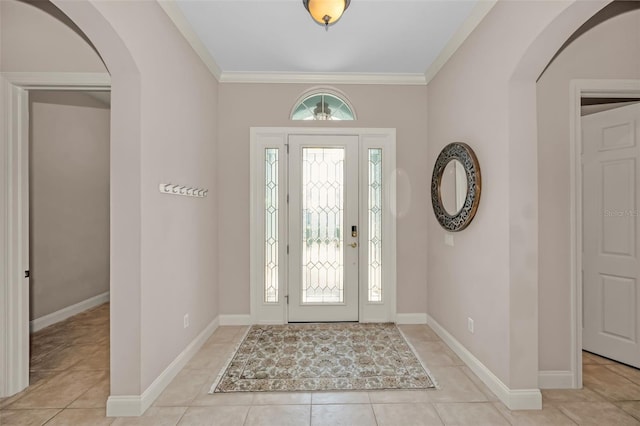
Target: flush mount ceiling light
326	12
322	111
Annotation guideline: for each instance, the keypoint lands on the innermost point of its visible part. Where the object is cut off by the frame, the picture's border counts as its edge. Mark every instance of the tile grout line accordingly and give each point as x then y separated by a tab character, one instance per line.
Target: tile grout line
375	417
53	417
435	407
608	367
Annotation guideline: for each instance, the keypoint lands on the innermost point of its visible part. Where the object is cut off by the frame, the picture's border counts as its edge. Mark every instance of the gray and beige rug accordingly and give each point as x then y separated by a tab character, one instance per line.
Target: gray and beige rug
327	356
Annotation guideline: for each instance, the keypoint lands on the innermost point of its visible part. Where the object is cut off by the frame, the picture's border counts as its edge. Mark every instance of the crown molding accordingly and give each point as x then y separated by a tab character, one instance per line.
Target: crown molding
320	78
480	10
174	13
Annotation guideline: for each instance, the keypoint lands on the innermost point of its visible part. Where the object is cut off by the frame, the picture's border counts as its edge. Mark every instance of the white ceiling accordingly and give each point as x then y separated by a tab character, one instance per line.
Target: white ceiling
381	37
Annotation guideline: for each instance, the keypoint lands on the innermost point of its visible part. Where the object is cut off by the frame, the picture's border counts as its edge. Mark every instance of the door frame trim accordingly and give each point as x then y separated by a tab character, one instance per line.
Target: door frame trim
276	313
580	88
14	124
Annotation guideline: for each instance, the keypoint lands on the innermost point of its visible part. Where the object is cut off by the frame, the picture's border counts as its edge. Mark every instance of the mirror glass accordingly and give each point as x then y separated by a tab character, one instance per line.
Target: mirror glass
453	187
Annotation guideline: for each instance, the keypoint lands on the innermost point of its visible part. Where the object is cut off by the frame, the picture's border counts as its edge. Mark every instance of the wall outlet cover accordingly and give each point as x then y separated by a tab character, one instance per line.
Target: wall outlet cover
448	239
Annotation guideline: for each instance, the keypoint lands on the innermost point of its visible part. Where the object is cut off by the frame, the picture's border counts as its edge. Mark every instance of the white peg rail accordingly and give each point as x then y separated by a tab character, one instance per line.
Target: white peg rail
187	191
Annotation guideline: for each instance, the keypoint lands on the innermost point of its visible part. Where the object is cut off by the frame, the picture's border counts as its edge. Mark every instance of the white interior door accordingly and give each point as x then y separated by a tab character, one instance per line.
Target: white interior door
323	227
611	315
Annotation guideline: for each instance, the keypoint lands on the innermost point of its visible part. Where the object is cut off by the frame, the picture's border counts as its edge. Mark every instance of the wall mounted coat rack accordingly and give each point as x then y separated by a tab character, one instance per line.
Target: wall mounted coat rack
188	191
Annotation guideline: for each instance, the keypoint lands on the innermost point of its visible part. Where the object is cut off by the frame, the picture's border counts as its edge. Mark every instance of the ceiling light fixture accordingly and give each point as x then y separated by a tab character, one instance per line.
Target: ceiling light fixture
322	111
326	12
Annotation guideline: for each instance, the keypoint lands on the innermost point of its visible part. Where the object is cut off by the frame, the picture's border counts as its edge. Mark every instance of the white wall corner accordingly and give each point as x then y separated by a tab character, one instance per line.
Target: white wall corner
478	13
174	13
555	379
416	318
136	405
69	311
235	319
514	399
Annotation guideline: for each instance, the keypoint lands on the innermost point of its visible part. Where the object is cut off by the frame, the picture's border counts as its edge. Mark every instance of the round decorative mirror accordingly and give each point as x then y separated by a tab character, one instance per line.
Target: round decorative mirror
455	186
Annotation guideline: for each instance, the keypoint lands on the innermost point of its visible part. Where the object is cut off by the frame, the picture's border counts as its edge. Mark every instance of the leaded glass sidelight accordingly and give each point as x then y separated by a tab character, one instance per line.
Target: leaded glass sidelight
322	221
271	226
375	225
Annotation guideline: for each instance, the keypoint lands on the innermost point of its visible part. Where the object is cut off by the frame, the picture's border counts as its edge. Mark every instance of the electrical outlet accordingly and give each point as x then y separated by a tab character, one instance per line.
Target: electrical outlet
470	325
186	320
448	239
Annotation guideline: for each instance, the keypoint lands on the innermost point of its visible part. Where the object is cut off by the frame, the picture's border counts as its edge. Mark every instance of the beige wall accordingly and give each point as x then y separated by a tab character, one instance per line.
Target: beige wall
177	143
607	51
68	199
485	96
36	37
163	248
248	105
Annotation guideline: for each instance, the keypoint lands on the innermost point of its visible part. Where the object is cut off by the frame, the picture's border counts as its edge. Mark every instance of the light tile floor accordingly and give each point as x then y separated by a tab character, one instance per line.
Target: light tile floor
70	385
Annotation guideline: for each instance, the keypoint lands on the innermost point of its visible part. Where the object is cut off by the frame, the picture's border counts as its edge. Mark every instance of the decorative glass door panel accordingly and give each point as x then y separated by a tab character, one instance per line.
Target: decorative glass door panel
323	212
322	225
322	218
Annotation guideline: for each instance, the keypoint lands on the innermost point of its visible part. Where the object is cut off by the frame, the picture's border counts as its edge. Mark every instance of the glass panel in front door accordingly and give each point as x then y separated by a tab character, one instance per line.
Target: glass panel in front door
323	225
322	282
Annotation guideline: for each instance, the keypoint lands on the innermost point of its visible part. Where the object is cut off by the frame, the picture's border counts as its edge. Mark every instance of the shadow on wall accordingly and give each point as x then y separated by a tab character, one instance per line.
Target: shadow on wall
614	9
50	9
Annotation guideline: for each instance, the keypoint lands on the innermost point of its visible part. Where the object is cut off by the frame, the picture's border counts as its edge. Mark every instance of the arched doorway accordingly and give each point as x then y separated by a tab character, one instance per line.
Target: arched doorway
491	98
585	67
124	201
524	143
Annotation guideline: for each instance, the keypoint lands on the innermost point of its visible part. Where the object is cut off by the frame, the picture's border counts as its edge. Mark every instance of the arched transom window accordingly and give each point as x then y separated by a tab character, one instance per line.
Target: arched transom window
322	105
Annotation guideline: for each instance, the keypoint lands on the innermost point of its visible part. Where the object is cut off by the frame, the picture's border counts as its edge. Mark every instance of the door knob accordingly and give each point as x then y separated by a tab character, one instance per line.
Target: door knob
354	245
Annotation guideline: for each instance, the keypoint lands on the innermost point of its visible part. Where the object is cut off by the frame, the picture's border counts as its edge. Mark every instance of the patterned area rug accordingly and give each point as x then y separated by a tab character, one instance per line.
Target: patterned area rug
313	357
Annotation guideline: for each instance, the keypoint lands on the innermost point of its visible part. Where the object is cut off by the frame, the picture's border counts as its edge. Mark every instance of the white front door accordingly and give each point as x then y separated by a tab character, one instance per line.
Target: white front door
611	151
323	228
309	188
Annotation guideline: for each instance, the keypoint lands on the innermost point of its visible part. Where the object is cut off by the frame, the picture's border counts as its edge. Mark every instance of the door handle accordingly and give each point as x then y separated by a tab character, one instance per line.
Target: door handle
354	245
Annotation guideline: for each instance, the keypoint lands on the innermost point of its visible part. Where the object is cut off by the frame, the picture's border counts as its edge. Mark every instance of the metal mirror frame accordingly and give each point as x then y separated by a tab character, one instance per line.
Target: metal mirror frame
464	154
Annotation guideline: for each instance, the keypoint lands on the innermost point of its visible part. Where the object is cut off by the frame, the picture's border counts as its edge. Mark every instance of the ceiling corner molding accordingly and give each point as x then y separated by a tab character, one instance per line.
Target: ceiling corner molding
319	78
180	21
477	14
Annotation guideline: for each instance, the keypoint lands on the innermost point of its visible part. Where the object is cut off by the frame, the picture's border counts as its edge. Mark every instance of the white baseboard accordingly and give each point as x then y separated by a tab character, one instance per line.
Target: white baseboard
417	318
235	319
555	379
136	405
69	311
514	399
124	406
